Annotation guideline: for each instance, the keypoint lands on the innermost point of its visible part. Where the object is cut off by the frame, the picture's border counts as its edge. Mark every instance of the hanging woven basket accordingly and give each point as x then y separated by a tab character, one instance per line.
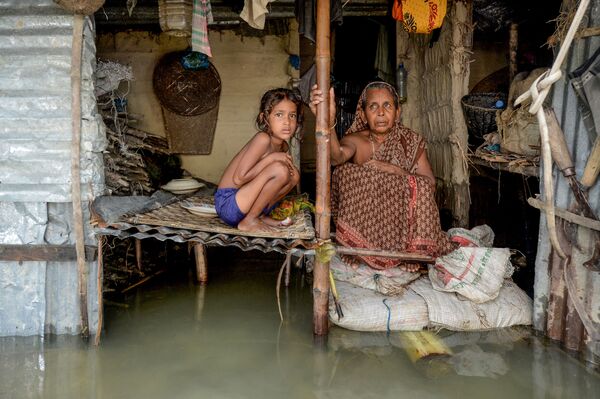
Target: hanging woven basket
190	104
82	7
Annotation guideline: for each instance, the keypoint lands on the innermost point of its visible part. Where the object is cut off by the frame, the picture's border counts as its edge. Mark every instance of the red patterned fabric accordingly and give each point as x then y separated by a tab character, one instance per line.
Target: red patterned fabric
377	210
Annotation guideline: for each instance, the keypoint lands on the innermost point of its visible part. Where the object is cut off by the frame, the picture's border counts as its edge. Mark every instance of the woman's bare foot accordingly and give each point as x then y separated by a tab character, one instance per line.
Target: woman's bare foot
410	267
254	224
351	261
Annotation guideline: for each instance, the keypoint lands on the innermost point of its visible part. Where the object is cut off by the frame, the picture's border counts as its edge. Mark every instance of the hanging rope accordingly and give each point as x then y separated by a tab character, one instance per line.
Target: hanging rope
537	93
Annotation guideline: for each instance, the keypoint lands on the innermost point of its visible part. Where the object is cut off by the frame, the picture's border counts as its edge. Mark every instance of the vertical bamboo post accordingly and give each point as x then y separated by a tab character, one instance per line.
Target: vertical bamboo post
100	276
138	253
323	178
82	271
512	48
201	263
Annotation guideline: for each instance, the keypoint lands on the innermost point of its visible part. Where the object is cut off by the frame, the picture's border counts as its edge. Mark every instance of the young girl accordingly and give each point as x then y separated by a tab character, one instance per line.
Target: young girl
262	172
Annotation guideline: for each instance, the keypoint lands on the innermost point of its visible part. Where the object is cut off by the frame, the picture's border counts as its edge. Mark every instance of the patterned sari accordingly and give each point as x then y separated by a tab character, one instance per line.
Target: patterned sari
377	210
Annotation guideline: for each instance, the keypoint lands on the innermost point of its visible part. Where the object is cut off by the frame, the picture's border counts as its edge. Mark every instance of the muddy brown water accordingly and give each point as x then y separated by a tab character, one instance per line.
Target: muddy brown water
174	339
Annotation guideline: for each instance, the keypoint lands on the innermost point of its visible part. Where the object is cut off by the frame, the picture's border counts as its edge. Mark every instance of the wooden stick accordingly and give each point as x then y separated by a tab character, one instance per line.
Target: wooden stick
201	263
583	33
564	214
323	178
75	170
513	46
138	253
407	256
100	274
44	253
142	281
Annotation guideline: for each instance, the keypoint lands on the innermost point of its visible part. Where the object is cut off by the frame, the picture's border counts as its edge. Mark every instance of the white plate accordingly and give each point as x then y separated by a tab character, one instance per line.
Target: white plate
205	210
183	186
179	192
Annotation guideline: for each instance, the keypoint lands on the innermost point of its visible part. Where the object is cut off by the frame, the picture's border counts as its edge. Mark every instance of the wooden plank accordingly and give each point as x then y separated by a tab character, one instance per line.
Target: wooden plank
44	253
564	214
507	167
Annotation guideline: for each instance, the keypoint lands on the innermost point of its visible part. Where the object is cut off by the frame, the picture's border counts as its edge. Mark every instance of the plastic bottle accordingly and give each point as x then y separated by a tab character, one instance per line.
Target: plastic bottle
401	82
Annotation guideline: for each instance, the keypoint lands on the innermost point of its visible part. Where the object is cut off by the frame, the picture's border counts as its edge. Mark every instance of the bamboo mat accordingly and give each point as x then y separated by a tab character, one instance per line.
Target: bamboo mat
175	216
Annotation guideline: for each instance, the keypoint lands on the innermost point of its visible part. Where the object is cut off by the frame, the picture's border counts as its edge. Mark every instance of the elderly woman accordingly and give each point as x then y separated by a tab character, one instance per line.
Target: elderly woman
383	187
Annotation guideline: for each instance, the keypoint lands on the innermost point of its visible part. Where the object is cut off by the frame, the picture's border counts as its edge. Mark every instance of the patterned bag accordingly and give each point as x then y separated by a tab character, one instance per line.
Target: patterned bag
419	16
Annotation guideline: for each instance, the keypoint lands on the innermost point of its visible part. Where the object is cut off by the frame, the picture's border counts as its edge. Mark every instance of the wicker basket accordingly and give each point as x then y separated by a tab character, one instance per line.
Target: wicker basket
190	104
480	114
83	7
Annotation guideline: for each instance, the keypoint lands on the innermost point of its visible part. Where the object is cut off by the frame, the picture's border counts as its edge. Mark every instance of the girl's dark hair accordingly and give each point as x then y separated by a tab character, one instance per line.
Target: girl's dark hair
380	85
273	97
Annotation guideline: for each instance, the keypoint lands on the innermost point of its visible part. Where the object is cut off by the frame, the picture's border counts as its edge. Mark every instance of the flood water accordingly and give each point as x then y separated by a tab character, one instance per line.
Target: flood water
174	339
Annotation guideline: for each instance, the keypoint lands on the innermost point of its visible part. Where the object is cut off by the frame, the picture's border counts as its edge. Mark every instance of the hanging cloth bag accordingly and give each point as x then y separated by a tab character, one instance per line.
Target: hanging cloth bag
418	16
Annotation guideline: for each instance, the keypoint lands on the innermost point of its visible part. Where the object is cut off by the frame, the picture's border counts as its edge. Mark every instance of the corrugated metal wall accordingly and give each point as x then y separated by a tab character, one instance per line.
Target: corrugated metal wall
35	166
553	310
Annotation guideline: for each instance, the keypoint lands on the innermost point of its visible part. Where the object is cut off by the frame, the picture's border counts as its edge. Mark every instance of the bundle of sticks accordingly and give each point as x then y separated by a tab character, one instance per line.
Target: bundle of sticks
125	170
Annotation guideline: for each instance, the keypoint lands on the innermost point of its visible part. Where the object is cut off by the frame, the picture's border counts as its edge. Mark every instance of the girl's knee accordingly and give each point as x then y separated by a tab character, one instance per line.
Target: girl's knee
295	176
279	170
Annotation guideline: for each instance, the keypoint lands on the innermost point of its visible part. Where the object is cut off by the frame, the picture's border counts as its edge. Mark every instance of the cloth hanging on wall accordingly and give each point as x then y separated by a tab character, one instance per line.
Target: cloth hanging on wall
255	13
306	82
419	16
201	17
306	16
383	62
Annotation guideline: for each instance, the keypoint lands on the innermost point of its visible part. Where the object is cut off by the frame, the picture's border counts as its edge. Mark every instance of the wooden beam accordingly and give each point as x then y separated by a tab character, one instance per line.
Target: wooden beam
564	214
44	253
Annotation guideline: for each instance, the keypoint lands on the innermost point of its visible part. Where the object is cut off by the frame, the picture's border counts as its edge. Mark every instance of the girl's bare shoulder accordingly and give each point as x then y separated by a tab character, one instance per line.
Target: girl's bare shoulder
261	137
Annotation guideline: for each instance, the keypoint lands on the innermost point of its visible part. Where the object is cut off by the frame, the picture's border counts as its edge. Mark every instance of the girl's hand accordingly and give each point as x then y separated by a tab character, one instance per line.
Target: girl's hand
281	157
316	97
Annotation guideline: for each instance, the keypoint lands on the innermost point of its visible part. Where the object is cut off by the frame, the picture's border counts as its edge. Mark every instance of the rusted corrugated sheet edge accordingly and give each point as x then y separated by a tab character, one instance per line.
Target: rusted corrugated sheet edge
125	230
566	108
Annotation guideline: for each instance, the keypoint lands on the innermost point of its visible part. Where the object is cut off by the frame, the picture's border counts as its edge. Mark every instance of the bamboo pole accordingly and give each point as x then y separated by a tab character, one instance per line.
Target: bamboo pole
100	276
82	271
402	256
513	47
323	178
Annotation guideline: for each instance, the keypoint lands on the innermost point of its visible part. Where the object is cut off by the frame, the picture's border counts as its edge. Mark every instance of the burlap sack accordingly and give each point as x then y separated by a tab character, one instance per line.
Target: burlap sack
511	307
518	129
391	282
473	272
367	310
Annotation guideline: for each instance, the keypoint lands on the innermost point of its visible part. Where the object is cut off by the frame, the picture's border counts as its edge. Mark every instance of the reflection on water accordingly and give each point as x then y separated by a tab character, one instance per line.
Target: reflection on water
178	340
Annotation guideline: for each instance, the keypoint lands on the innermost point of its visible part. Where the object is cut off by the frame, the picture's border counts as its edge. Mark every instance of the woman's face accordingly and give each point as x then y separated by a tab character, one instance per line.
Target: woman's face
283	120
380	111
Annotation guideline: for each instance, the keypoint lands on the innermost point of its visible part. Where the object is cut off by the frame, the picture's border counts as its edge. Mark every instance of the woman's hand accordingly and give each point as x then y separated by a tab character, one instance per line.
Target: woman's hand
386	167
316	97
